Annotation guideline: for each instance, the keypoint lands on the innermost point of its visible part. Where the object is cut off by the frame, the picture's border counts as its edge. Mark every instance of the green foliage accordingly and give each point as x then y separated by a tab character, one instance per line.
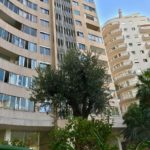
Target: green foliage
81	134
138	124
14	144
17	142
78	84
144	89
137	117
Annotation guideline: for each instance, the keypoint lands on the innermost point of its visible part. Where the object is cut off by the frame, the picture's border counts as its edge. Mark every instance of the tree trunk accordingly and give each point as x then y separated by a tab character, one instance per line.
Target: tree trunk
76	112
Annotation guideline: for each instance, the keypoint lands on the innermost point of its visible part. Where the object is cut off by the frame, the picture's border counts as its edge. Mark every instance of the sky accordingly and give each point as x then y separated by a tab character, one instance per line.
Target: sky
108	9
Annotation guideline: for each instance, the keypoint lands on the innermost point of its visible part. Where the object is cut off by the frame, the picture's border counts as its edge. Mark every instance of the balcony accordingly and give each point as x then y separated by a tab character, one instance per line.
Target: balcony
147	45
146	37
115	41
125	88
110	26
121	57
33	120
117	49
116	32
125	76
145	28
122	66
127	99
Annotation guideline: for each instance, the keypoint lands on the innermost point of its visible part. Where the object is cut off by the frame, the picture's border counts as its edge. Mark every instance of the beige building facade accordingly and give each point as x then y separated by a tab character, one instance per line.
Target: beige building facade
37	33
126	40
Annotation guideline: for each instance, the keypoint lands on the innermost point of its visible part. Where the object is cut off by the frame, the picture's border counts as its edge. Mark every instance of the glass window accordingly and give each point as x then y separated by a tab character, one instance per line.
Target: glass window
33	64
23	104
80	34
75	3
1	74
44	36
12	102
44	11
82	46
21	61
30	105
44	50
13	78
78	22
44	23
95	38
32	47
17	103
6	101
76	12
1	100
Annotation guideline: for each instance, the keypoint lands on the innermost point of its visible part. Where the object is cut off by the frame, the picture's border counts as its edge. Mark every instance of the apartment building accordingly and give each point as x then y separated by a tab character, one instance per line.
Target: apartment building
89	38
37	33
126	40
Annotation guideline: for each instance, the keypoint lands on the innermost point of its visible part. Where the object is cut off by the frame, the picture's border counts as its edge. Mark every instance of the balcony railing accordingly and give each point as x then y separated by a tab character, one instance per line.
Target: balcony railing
122	57
122	66
116	32
145	28
124	76
147	45
25	119
146	37
117	49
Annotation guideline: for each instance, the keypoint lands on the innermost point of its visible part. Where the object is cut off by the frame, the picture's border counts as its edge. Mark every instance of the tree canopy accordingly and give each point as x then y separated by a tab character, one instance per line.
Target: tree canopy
79	83
82	134
143	86
137	118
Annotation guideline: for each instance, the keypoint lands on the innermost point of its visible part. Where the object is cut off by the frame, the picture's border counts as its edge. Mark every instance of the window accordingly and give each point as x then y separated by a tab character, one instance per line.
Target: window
95	38
130	44
80	34
33	63
75	3
86	7
142	51
19	11
44	11
18	41
133	52
76	12
28	4
43	65
44	50
145	60
81	46
125	29
78	22
45	1
90	17
89	1
16	103
128	36
28	30
13	78
27	62
1	74
133	28
44	23
44	36
21	61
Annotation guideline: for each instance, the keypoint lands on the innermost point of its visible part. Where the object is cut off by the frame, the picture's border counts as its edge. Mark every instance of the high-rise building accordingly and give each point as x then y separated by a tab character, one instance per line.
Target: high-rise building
126	40
37	33
89	37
